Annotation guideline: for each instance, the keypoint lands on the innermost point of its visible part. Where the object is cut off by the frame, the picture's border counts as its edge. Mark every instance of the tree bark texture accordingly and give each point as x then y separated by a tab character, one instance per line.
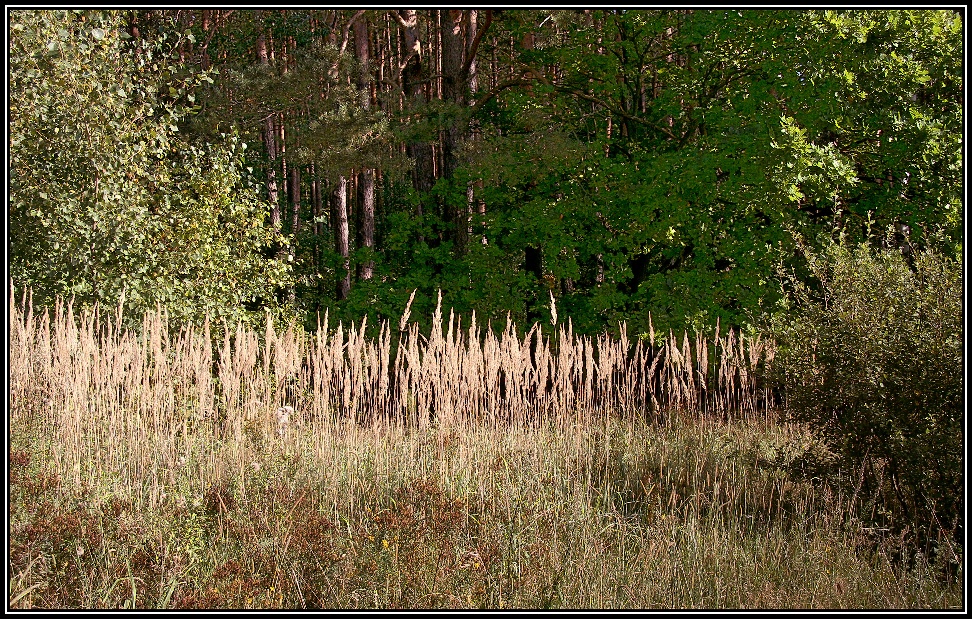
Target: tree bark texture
366	178
269	132
339	206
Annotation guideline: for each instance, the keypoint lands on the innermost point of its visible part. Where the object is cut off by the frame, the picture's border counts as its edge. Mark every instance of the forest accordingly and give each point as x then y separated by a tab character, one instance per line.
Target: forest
230	162
460	308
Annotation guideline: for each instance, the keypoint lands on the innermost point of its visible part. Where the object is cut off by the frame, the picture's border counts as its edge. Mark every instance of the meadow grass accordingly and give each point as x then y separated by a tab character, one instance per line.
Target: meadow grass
156	470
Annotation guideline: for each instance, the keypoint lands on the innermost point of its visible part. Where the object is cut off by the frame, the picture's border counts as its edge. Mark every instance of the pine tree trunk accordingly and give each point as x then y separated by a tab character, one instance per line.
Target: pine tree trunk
413	76
454	91
318	213
472	41
269	134
294	204
339	205
366	178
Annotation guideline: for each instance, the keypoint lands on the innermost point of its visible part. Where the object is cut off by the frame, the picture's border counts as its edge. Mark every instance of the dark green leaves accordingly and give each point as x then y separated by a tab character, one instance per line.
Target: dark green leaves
871	358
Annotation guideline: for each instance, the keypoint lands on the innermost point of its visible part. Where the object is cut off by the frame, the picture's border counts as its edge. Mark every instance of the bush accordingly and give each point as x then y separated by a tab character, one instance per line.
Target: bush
109	200
871	358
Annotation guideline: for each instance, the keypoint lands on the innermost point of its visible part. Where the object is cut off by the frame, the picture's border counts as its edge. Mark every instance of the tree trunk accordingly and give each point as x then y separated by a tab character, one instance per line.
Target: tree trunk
294	203
472	29
453	82
533	263
339	206
473	37
318	214
269	133
366	190
366	178
294	222
413	77
454	91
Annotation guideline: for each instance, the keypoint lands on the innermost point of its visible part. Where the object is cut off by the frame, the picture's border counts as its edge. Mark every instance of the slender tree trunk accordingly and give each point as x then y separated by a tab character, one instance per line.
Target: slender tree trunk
282	154
454	91
366	188
269	133
318	208
294	222
339	192
339	206
453	82
294	201
433	34
366	178
413	76
472	30
473	37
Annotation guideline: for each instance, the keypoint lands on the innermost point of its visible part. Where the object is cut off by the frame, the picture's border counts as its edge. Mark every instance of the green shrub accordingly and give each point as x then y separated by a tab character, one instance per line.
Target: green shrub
109	200
871	358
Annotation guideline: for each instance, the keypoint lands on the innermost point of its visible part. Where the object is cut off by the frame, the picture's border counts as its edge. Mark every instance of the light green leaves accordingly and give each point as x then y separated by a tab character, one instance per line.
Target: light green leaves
817	172
106	194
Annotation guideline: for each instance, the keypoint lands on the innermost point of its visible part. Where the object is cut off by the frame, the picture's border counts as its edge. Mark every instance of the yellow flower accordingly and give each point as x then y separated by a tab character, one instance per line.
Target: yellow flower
384	543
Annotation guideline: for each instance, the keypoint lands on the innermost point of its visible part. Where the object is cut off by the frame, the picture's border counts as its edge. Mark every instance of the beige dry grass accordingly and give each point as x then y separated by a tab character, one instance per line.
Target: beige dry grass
461	468
110	389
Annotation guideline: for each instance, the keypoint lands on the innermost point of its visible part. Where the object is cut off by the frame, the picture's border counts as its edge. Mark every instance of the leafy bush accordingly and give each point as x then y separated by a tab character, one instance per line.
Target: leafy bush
109	200
872	360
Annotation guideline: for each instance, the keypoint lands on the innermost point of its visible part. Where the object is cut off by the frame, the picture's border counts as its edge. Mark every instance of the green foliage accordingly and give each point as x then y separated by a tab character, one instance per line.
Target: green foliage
661	166
884	89
325	123
872	360
627	161
107	199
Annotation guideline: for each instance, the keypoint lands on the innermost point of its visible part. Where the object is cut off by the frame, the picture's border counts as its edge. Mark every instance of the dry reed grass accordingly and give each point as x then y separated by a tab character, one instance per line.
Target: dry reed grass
285	469
91	378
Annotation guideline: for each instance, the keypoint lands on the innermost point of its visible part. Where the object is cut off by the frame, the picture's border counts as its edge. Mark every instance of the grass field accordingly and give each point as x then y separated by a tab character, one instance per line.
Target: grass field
462	471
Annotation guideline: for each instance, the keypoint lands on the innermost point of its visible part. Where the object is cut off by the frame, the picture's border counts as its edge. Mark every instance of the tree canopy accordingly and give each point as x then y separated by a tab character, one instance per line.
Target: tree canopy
228	162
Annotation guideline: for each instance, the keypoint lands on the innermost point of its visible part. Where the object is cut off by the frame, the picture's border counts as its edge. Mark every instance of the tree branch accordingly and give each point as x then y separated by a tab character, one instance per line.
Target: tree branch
496	90
401	20
587	97
471	52
347	31
344	40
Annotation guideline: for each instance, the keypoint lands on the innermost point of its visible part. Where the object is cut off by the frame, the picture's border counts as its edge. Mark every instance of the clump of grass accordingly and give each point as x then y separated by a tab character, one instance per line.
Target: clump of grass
151	470
610	514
